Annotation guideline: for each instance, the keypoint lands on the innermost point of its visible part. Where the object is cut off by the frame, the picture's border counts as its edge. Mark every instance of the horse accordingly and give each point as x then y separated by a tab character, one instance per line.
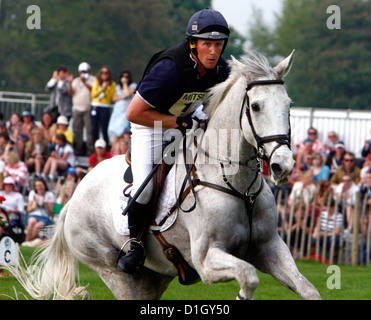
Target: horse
231	229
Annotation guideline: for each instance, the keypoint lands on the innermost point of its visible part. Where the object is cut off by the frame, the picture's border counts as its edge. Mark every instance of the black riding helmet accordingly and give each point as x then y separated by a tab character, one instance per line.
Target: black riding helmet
208	24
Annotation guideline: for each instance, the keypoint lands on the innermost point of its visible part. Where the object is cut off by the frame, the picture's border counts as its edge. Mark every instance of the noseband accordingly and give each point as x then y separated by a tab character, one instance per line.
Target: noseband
280	139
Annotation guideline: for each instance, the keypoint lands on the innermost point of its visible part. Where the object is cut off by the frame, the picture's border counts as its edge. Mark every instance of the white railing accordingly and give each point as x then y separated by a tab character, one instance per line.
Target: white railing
352	126
18	101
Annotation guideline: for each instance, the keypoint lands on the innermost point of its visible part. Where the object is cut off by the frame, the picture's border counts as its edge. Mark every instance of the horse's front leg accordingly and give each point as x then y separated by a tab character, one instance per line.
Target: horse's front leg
219	266
275	259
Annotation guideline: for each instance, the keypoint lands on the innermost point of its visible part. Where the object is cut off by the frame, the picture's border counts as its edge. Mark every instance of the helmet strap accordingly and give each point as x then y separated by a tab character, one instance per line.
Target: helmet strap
195	54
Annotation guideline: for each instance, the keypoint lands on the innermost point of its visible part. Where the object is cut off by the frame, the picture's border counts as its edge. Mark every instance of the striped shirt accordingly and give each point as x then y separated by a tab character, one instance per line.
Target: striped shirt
18	172
331	221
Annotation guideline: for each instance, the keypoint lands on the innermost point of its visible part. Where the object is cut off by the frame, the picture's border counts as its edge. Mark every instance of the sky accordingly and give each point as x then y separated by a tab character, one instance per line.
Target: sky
238	12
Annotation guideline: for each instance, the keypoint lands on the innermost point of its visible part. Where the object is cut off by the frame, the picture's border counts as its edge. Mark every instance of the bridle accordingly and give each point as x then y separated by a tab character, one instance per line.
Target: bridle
280	139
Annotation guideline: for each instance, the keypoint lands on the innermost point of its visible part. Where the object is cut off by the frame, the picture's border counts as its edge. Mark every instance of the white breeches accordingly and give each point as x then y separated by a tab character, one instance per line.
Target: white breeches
146	148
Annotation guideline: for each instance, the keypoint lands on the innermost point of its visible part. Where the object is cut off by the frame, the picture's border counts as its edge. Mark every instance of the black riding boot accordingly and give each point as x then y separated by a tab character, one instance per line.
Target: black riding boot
134	259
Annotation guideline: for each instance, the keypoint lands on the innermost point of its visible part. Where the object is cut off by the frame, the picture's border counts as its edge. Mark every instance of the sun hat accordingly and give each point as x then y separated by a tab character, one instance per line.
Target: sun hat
62	120
9	180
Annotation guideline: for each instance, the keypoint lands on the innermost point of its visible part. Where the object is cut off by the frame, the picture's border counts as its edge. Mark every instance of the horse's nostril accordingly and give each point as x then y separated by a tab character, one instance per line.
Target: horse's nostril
276	168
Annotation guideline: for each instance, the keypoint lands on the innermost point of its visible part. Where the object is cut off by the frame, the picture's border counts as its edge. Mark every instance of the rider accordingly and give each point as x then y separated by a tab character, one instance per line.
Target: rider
172	88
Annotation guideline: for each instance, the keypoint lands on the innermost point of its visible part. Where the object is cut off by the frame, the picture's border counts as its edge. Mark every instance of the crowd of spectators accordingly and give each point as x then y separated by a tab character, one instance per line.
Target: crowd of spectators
38	159
86	117
327	176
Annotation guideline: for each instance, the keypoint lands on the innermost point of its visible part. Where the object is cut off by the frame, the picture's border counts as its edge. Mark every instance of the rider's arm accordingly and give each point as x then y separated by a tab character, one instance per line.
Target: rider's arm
141	113
156	88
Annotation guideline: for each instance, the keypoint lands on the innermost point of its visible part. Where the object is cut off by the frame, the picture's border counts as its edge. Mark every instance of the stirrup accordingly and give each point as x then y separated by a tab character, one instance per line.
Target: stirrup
122	253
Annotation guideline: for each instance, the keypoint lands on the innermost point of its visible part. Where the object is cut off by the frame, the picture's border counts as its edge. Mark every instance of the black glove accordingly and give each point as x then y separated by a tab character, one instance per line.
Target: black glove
184	123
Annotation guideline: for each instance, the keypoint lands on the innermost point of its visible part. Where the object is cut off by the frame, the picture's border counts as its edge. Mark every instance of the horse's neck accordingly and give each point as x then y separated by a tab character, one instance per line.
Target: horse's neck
224	140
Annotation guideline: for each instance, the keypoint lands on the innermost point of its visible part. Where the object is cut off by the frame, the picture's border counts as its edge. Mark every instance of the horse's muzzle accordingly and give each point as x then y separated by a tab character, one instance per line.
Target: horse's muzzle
281	165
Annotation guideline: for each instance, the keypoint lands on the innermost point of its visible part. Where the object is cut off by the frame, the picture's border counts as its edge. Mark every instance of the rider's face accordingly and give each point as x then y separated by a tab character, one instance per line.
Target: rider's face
209	52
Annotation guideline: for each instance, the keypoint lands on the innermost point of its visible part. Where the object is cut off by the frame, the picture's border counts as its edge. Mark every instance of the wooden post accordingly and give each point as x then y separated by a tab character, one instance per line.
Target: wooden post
368	237
357	207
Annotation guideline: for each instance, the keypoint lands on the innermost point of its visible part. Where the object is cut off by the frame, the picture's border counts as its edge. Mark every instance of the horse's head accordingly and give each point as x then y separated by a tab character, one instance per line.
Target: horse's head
265	113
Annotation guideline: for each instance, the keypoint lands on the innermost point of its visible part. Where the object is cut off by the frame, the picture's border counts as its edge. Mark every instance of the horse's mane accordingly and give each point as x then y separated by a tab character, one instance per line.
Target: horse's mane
252	67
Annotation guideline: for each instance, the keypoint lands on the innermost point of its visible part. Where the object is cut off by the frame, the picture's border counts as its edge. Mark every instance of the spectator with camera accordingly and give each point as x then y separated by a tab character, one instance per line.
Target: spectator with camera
60	100
80	90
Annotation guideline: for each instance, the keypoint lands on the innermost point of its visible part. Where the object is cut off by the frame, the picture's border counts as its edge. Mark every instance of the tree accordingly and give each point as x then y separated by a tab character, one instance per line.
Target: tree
332	67
120	34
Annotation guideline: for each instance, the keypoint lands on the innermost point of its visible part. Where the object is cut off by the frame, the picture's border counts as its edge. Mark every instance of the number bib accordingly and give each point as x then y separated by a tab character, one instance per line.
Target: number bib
189	102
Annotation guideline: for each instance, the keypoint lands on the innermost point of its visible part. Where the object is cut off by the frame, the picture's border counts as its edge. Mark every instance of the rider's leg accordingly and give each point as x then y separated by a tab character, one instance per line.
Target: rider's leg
137	220
146	143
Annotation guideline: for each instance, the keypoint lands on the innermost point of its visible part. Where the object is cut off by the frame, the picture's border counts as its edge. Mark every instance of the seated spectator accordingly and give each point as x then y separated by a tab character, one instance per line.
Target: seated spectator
5	143
303	190
3	127
365	168
324	190
329	145
365	189
122	147
13	206
37	151
319	170
335	158
14	127
66	192
16	169
313	135
99	155
62	127
303	160
24	133
349	167
366	150
40	208
330	222
60	159
345	194
48	127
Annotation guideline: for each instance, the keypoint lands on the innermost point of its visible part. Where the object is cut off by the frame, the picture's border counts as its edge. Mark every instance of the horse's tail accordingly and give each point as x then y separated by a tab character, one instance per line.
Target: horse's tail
53	269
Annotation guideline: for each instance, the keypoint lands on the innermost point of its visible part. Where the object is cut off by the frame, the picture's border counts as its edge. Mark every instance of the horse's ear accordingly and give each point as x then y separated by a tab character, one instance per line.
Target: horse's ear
283	68
236	62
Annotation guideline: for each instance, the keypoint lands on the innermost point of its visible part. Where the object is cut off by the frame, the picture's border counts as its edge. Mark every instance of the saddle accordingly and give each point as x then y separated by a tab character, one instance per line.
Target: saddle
186	274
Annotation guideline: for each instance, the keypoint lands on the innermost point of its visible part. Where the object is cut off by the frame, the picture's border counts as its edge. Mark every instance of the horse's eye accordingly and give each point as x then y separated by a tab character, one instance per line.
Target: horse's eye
255	107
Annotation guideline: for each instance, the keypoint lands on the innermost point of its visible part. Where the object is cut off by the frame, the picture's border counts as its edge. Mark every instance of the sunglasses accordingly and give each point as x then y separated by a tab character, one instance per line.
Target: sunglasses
104	72
311	133
348	160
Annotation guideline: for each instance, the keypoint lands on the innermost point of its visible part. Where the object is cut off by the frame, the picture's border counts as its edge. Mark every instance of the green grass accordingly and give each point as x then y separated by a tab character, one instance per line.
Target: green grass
355	285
